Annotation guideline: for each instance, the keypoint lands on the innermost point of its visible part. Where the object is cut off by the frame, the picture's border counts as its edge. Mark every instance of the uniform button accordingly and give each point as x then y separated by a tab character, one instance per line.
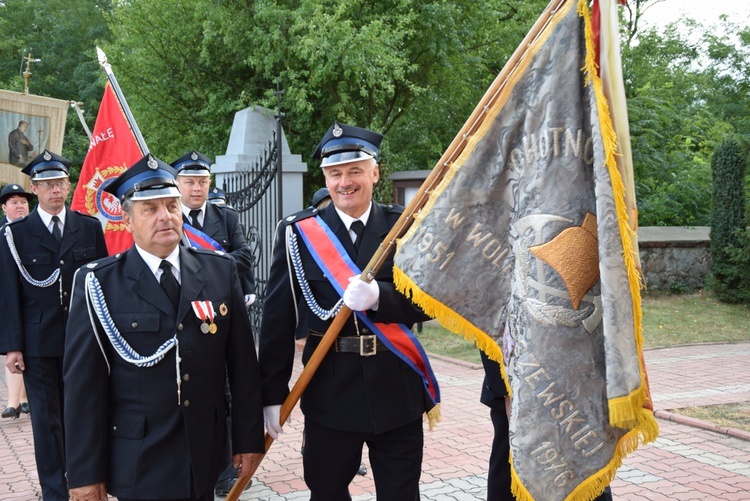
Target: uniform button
180	327
65	293
365	330
65	309
134	325
33	260
187	403
186	377
62	262
114	428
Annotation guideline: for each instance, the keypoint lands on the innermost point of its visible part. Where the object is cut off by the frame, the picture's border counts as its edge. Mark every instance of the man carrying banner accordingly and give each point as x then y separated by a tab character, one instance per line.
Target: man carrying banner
375	383
153	334
38	256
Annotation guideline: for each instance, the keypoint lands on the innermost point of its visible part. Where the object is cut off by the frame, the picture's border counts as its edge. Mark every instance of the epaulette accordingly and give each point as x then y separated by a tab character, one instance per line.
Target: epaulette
213	252
102	262
394	208
303	214
225	207
17	220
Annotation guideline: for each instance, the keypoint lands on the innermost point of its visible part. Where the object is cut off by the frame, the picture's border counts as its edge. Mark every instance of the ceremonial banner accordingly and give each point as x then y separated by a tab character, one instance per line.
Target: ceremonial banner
113	148
526	242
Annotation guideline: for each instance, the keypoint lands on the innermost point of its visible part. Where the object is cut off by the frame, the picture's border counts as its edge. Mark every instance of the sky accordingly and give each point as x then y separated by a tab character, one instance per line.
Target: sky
706	11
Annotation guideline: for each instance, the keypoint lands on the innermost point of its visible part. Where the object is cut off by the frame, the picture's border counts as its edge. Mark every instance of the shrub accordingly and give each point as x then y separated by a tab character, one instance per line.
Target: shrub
727	219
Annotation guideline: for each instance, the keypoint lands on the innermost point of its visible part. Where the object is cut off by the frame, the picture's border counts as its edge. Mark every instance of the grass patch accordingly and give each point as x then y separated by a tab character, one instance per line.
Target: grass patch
668	320
439	341
725	415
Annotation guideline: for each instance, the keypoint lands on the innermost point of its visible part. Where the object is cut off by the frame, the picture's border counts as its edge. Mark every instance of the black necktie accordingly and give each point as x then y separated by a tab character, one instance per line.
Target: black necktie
169	283
194	213
358	227
56	228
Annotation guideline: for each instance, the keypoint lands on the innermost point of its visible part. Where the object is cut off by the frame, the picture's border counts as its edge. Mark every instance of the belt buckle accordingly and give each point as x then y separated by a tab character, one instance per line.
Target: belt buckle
363	340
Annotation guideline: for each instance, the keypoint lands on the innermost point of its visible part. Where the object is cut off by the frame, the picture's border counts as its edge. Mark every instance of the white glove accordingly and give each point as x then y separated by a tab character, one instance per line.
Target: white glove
272	416
361	295
249	299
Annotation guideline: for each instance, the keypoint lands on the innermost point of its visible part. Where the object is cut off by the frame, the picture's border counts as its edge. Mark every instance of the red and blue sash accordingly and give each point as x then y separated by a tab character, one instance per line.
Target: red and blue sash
199	239
337	266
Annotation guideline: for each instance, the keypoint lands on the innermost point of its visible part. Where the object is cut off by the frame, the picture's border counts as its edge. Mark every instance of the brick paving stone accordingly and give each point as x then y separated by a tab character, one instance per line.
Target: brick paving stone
685	463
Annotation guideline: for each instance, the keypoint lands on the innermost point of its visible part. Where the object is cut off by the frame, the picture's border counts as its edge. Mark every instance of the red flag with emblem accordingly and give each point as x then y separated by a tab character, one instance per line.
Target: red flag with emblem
113	148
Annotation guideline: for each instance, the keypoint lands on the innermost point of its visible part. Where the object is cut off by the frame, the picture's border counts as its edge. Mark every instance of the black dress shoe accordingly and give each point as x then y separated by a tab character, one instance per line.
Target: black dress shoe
224	486
25	408
11	412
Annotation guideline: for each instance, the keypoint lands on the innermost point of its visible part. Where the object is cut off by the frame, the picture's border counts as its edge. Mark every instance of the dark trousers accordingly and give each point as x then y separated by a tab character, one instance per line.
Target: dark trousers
332	458
498	476
206	496
230	471
43	380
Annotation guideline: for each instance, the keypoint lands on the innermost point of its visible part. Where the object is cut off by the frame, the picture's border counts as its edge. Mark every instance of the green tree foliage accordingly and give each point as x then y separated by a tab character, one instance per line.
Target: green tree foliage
727	218
412	69
687	88
63	34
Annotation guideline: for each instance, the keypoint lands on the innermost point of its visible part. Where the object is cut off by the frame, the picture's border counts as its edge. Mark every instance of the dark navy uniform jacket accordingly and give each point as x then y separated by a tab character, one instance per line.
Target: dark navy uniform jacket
33	317
128	426
348	392
222	224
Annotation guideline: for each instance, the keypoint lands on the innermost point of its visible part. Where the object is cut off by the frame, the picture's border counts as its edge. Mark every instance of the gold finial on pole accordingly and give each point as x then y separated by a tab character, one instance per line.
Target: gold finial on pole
27	73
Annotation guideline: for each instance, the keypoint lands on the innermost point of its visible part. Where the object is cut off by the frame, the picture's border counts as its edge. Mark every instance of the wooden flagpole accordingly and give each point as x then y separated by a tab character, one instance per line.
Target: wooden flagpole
403	223
121	98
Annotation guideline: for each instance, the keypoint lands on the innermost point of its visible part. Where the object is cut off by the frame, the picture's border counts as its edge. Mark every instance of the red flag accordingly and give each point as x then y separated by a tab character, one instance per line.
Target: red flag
112	150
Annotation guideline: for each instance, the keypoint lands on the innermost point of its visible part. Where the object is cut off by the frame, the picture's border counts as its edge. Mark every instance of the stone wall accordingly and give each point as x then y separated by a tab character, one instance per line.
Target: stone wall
675	256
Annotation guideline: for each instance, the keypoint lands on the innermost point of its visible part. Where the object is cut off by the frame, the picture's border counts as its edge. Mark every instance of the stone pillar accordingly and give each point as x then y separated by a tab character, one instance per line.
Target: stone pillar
251	132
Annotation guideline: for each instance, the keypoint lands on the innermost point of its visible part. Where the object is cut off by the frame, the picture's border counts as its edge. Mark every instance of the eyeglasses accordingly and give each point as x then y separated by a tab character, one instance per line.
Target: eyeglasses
48	185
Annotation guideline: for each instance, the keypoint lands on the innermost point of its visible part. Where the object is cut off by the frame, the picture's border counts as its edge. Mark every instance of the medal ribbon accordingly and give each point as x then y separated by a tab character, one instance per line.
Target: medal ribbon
204	310
337	266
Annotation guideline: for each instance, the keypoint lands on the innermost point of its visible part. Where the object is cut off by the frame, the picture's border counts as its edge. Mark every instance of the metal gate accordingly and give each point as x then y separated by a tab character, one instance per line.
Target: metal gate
256	194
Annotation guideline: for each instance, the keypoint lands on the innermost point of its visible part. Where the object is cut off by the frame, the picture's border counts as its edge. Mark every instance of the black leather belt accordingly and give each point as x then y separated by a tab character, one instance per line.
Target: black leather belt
365	346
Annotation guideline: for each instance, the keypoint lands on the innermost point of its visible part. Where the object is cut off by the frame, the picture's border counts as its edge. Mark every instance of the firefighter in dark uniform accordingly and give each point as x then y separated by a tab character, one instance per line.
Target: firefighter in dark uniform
221	223
38	257
154	333
218	221
362	393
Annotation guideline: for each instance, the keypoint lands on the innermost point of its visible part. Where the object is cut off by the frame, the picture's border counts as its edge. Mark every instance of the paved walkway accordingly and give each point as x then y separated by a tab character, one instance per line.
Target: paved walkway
691	460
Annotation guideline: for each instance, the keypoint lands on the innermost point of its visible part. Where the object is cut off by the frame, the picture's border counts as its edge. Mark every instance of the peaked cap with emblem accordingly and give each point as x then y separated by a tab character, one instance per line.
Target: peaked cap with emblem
347	143
193	164
147	179
217	196
319	196
13	190
47	165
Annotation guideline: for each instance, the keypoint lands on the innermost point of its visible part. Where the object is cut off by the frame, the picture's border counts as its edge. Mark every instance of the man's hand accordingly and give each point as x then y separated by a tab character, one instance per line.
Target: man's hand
14	362
272	416
247	463
93	492
361	295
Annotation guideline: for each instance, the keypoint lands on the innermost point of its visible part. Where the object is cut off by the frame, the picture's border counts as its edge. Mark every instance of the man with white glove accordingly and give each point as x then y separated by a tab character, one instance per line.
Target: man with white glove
272	418
362	392
361	295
